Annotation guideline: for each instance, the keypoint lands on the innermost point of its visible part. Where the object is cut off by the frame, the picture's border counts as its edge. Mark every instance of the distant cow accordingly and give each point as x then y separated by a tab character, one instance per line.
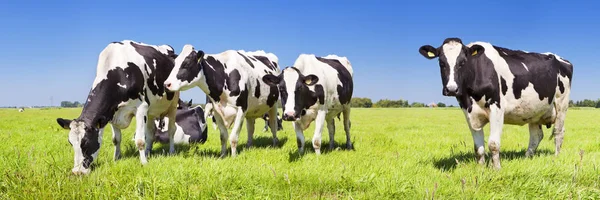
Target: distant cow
21	109
232	80
266	118
319	89
503	86
190	123
129	82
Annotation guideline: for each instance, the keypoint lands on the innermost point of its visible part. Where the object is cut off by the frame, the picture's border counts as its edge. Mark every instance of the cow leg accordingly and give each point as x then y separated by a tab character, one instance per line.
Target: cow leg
319	123
233	137
535	136
172	128
250	129
223	130
299	137
141	131
496	123
478	141
116	139
266	128
347	125
331	129
273	125
559	128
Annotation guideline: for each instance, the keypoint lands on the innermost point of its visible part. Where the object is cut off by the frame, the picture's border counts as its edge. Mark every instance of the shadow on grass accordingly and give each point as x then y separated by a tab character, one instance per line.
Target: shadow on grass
450	163
265	142
294	155
130	150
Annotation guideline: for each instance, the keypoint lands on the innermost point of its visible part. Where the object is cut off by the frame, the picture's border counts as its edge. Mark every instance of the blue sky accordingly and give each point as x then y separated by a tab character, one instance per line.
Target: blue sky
50	49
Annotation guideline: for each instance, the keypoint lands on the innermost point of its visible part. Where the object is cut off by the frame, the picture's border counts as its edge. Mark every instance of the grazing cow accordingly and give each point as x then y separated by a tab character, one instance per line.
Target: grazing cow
316	88
503	86
21	109
129	82
190	123
232	80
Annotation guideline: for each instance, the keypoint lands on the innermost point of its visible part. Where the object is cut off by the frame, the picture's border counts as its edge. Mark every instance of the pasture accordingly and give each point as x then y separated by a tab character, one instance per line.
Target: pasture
411	153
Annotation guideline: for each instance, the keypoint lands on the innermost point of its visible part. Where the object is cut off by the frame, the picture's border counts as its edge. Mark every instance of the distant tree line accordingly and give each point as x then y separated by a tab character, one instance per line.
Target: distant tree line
68	104
359	102
585	103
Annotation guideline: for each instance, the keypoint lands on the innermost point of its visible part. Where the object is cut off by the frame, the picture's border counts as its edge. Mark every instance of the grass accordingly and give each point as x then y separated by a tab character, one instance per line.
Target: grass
400	154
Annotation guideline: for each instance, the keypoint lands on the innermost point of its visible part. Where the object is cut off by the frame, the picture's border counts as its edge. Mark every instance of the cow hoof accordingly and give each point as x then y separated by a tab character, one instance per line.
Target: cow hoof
275	142
223	155
300	151
318	151
248	145
349	146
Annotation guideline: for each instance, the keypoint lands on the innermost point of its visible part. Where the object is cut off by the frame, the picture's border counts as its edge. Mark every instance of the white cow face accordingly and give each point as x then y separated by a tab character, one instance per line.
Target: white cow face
86	142
454	63
187	70
297	93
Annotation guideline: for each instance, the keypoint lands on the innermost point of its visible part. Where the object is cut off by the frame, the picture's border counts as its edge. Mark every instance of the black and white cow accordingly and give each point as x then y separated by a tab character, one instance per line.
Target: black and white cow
319	89
129	82
190	123
232	80
266	118
209	115
502	86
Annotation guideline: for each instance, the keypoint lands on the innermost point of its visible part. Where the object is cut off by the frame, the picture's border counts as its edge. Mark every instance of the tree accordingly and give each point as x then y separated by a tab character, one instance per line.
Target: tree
417	105
441	105
361	102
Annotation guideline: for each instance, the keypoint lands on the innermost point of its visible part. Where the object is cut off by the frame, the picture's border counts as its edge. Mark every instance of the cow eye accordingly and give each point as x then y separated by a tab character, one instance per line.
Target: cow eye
462	63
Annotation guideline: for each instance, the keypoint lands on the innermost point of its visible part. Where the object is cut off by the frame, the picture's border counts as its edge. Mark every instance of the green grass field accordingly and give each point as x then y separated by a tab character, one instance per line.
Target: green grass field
400	154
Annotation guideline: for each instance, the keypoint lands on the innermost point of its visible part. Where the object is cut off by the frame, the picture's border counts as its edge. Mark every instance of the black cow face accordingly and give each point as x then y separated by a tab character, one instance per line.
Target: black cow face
186	71
85	139
296	94
453	59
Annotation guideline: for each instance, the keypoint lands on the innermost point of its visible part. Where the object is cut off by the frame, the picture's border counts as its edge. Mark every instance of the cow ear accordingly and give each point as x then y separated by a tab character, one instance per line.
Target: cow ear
200	55
64	123
476	50
428	52
311	79
190	103
271	80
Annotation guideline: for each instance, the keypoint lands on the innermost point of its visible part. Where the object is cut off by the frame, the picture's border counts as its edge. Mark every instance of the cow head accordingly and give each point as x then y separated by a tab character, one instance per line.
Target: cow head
184	105
456	62
85	139
297	91
187	70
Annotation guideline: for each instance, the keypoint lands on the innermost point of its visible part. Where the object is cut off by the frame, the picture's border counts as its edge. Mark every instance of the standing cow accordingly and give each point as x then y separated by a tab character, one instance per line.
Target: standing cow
129	82
232	80
503	86
316	88
190	123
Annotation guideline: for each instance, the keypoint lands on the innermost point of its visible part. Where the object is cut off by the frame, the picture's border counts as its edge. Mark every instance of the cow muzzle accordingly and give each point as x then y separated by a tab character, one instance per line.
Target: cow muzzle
289	116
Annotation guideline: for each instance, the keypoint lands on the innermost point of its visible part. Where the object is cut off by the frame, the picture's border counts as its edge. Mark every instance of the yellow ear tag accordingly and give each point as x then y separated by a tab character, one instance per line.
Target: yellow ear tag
199	59
474	53
430	54
307	81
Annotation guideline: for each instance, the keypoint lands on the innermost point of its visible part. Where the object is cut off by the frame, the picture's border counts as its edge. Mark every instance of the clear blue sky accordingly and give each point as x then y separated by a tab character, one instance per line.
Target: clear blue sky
51	48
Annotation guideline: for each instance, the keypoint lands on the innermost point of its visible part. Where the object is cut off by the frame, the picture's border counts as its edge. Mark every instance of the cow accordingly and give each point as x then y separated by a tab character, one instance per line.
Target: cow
266	118
129	82
21	109
500	86
209	114
319	89
232	80
190	123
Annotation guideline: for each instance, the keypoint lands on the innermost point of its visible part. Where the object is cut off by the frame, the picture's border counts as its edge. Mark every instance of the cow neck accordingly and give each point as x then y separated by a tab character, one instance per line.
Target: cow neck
202	83
97	108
